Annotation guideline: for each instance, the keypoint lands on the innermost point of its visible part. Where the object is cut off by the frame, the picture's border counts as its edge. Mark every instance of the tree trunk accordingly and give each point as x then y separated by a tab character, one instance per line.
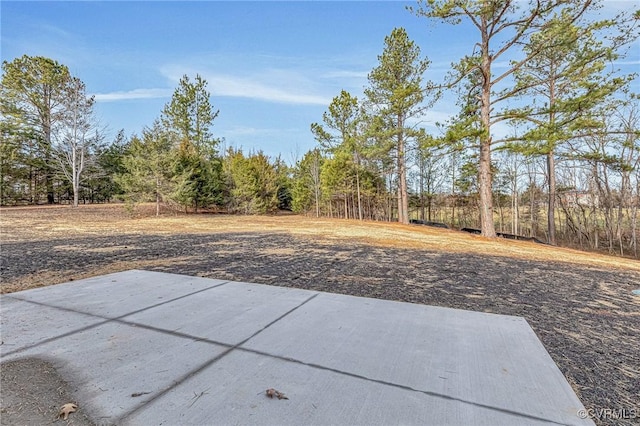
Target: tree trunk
634	222
46	126
317	196
516	214
484	166
403	199
48	178
157	197
399	196
624	197
346	207
358	189
421	171
551	206
315	175
484	189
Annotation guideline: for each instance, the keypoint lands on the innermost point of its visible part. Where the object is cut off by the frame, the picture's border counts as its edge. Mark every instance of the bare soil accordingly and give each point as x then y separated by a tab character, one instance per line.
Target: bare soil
32	394
579	304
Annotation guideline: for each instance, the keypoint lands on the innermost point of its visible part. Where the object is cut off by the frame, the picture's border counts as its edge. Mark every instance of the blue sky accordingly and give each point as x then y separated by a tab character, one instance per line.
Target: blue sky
272	67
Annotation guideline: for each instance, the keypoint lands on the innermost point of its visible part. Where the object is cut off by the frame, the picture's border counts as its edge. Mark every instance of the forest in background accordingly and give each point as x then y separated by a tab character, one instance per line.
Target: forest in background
567	171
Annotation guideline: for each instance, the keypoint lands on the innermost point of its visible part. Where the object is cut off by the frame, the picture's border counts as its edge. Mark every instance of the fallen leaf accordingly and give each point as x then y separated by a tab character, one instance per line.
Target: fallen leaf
66	409
272	392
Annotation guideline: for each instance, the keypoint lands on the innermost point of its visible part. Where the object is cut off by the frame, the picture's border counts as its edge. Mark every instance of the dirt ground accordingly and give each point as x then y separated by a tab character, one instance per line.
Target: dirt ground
579	304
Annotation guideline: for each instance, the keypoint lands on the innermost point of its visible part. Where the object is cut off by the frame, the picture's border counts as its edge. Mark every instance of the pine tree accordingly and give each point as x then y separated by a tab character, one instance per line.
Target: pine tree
253	183
189	116
109	164
502	26
341	133
32	96
148	168
564	82
396	92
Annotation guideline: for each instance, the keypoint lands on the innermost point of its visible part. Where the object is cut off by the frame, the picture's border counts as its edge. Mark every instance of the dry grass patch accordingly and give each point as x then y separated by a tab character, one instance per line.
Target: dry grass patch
36	223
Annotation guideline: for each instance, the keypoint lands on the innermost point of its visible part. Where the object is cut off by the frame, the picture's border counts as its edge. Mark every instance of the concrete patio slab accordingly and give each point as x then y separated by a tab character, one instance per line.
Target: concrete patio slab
23	324
120	294
454	352
317	397
200	351
228	315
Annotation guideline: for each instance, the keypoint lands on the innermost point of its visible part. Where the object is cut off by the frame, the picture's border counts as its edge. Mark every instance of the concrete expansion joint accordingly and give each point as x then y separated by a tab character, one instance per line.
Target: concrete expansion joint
403	387
208	363
105	319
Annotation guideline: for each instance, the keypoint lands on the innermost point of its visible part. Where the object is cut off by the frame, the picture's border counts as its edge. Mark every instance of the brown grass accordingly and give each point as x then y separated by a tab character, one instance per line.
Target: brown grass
22	224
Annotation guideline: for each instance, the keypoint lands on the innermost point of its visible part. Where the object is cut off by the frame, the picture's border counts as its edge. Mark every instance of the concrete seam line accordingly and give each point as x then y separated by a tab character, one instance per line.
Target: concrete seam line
206	364
174	333
399	386
89	327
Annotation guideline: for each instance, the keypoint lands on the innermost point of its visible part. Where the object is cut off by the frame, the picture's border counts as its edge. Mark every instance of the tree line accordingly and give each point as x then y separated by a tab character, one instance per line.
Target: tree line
54	150
566	170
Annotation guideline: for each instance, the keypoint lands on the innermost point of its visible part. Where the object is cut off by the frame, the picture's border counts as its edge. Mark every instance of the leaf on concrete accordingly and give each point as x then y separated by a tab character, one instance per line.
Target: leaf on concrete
272	392
66	409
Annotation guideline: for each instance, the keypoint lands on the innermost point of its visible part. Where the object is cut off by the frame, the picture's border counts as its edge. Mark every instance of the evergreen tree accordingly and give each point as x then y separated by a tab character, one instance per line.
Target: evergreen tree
14	163
189	116
502	26
285	183
336	177
109	164
396	92
564	82
265	184
253	183
32	96
148	168
198	180
340	133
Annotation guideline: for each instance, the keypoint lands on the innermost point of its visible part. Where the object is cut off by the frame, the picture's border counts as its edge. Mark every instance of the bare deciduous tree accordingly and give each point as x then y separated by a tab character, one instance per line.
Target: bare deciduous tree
76	134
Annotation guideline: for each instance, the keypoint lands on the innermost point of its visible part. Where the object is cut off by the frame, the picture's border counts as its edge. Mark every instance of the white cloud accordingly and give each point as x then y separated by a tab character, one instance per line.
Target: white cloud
53	31
244	131
346	74
133	94
226	85
268	84
247	131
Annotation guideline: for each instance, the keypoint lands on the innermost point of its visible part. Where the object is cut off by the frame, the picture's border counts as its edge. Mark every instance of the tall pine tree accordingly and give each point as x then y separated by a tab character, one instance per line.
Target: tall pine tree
563	83
189	116
397	93
147	165
32	96
501	26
